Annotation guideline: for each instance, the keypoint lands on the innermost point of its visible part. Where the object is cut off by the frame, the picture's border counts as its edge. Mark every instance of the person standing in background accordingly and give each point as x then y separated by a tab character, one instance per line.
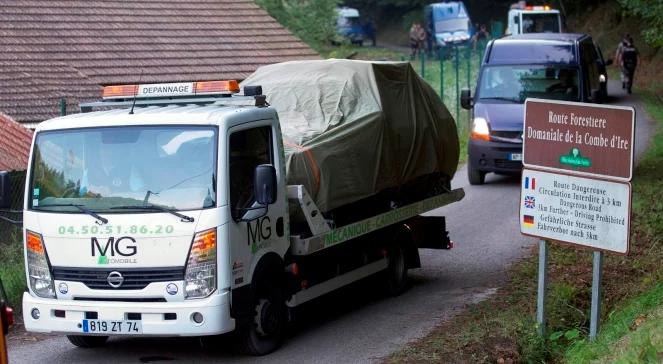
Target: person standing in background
369	31
618	56
417	39
480	36
628	62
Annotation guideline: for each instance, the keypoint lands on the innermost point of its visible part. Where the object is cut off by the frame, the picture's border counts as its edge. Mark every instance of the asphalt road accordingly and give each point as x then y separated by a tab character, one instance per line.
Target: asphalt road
357	324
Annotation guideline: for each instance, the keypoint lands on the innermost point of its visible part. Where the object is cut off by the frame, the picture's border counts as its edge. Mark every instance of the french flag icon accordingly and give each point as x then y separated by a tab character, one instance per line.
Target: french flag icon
530	183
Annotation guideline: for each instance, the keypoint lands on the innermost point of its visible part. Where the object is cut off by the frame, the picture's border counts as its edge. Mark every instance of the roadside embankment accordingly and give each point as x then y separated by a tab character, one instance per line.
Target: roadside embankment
503	328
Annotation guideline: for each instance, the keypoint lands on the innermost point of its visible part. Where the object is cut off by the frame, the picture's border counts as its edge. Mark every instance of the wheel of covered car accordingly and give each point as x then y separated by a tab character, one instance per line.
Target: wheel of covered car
87	341
476	176
266	331
396	274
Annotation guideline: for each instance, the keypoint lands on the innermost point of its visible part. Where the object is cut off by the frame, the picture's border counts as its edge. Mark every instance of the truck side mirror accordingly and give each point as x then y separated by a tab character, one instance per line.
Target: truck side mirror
265	184
466	98
5	191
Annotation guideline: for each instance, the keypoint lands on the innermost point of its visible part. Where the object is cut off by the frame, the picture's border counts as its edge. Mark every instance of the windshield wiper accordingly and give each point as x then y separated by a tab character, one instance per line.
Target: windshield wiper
83	209
183	217
500	98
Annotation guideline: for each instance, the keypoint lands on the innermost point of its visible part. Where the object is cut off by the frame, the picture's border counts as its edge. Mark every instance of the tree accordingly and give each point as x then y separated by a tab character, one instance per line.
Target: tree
314	21
651	12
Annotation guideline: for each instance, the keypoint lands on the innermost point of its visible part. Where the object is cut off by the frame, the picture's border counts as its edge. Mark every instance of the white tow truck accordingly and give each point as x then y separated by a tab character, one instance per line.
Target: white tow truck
168	215
534	19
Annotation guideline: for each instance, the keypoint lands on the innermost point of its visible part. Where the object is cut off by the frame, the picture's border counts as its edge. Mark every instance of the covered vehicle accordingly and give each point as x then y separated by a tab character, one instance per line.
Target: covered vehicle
355	129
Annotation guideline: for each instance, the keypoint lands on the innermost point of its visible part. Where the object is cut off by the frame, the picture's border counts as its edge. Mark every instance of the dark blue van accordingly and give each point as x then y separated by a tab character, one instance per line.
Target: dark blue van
555	66
447	24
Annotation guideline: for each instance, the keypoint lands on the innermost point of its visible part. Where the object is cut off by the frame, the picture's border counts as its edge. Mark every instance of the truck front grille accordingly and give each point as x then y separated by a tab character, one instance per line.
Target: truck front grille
133	278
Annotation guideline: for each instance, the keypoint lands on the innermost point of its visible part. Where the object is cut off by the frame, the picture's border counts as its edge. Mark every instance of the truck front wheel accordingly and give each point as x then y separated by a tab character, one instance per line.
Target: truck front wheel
87	341
266	331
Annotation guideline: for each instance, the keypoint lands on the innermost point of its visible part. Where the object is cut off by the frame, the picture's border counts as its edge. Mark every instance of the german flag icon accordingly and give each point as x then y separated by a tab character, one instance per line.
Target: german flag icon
528	220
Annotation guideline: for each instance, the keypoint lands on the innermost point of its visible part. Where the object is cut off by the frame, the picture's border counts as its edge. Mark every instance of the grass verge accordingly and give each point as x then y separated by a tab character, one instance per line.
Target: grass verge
502	328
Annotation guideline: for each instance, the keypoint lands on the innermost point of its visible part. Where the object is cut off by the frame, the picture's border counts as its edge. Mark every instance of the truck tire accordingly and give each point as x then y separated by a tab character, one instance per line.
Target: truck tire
475	176
396	280
87	341
266	331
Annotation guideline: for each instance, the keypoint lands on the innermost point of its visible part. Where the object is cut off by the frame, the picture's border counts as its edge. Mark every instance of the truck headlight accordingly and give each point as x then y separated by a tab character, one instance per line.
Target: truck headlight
200	274
39	274
480	129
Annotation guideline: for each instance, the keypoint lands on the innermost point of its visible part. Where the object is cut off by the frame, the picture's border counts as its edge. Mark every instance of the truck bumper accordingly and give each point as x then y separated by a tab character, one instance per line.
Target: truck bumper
154	321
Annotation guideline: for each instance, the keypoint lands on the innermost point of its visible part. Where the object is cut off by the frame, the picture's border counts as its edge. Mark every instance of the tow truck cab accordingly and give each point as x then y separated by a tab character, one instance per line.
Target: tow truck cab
155	208
534	19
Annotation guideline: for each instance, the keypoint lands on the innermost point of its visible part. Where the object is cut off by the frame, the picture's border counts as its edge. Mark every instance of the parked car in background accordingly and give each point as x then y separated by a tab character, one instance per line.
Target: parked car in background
447	24
6	320
348	25
555	66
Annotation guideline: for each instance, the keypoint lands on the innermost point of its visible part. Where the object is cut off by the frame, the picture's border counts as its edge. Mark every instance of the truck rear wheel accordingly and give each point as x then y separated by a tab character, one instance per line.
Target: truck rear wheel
87	341
396	280
266	331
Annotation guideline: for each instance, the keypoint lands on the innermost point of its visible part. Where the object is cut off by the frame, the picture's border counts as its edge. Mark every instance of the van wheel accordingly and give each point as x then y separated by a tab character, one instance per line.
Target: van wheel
476	176
265	333
87	341
396	280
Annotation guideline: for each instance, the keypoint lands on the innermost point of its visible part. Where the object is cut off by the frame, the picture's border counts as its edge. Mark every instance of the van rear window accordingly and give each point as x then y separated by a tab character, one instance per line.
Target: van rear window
531	53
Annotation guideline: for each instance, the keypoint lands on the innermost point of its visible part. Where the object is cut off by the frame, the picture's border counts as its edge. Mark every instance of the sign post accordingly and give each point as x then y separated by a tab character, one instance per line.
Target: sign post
575	187
595	313
542	287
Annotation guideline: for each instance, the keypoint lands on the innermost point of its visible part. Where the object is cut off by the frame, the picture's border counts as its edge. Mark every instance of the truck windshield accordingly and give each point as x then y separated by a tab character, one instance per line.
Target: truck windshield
451	25
516	83
541	23
102	168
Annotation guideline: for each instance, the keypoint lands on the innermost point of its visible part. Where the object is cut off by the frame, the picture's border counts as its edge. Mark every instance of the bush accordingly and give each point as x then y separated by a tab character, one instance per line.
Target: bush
651	12
12	272
313	21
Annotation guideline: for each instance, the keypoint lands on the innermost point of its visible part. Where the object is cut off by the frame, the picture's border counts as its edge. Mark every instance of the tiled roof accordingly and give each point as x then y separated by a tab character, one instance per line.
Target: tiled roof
112	42
31	91
14	145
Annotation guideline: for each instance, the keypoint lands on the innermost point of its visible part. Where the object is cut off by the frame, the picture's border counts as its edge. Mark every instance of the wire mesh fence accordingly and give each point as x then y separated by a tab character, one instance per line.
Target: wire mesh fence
11	232
448	70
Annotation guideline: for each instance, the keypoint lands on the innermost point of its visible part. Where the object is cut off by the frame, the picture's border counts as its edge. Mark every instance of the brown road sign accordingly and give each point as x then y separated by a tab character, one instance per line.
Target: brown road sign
584	139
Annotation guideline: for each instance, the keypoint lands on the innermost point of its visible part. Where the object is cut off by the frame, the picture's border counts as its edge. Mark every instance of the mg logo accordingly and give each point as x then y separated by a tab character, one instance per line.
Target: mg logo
124	246
115	279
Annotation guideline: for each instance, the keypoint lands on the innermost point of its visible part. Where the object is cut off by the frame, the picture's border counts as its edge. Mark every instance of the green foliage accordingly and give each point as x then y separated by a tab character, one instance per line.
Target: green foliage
12	272
651	12
314	21
620	322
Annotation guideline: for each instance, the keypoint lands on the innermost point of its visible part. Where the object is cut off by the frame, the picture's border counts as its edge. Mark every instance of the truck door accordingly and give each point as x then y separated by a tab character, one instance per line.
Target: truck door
254	230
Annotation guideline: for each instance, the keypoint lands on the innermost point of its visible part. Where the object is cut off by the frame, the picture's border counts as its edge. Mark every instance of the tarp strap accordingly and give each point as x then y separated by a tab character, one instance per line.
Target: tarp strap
309	155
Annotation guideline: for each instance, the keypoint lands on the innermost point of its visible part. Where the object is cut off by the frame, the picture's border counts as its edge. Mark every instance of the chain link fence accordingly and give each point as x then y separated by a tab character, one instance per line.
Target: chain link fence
10	232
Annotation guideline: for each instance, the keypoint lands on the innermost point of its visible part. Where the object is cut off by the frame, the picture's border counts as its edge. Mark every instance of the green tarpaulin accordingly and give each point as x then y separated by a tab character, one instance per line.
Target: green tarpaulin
352	128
